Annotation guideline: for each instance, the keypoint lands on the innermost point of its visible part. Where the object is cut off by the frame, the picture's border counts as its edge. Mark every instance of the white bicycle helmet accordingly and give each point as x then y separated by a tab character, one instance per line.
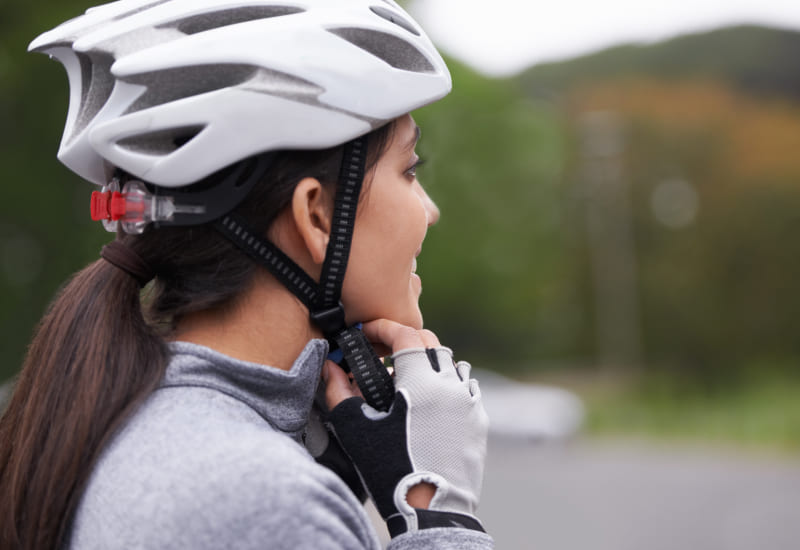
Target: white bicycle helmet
171	91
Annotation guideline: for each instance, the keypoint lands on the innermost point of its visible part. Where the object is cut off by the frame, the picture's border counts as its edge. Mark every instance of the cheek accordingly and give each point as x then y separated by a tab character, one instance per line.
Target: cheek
373	256
378	283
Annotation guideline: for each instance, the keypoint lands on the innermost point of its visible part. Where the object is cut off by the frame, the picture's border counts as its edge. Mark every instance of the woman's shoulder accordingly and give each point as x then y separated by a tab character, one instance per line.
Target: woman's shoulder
193	439
185	427
197	468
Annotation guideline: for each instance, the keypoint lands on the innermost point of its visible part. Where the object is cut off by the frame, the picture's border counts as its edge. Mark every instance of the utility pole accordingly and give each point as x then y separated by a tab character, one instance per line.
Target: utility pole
609	226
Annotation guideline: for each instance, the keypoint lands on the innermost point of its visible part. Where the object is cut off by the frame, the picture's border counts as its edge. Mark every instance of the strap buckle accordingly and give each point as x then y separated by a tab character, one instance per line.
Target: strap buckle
329	320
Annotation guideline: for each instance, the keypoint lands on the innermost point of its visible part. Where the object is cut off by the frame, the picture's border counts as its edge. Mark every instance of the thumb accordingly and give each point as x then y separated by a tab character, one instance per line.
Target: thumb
337	384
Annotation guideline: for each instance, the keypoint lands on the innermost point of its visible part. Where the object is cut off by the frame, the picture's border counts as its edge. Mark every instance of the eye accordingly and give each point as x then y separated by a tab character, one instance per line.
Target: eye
411	172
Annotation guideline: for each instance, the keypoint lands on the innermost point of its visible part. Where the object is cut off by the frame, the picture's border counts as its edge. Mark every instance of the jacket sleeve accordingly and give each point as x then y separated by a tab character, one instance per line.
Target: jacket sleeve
295	505
333	518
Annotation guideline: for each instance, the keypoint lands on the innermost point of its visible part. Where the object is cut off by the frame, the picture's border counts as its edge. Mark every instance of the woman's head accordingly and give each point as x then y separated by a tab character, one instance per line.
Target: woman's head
198	269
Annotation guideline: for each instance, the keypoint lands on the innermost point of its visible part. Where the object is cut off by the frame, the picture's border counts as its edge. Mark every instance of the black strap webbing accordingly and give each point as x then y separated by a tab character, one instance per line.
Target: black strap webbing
358	355
267	254
351	177
370	374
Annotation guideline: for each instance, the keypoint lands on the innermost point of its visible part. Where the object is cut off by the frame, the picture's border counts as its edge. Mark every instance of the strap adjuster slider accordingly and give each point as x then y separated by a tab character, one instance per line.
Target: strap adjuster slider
330	320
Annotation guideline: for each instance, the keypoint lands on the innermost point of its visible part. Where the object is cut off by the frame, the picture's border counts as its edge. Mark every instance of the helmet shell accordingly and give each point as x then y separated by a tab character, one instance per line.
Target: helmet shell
173	90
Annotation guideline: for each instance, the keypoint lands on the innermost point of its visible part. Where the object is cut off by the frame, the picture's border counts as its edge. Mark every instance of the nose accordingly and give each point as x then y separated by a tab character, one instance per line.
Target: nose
431	210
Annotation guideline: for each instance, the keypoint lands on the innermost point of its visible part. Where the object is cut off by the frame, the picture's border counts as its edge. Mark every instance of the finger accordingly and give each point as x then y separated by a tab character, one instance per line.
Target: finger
393	335
381	350
474	389
464	370
429	339
441	359
337	384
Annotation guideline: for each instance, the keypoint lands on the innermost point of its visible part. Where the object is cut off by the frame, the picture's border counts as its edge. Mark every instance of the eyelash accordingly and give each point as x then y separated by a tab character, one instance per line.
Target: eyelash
412	172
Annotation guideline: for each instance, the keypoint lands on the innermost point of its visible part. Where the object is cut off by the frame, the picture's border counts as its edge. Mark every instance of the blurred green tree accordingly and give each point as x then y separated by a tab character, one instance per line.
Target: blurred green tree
45	230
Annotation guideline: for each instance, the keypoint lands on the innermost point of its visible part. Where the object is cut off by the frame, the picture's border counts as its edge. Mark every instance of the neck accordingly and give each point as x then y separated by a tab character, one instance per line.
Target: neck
266	325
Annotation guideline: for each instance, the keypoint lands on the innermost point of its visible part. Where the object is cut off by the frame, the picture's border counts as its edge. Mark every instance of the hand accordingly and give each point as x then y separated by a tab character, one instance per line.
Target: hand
340	386
325	449
434	433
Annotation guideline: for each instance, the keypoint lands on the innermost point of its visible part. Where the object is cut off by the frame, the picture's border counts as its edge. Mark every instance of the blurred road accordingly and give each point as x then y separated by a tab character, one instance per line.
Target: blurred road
613	495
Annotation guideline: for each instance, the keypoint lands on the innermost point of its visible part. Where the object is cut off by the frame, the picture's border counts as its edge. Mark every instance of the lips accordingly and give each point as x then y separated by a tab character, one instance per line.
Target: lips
414	264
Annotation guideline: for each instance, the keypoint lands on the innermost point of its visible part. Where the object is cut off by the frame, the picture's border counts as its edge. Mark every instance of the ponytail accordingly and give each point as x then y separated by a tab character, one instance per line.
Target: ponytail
91	361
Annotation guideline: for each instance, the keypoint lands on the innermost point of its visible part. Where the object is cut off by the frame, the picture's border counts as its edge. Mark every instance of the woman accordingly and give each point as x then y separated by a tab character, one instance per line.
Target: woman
230	137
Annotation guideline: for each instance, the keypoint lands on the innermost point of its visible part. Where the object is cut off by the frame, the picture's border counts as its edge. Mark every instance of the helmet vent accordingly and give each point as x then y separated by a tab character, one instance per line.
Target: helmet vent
96	86
391	16
281	84
187	82
223	18
395	51
161	142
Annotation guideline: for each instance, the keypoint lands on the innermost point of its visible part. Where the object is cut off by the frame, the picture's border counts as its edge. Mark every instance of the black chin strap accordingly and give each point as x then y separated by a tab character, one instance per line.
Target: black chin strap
323	300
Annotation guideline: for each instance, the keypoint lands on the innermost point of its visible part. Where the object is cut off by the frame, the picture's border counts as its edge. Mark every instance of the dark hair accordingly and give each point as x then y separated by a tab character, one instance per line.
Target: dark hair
93	358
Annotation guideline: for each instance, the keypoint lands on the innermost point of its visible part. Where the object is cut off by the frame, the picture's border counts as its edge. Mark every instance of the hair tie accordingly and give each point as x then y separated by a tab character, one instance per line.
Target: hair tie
123	257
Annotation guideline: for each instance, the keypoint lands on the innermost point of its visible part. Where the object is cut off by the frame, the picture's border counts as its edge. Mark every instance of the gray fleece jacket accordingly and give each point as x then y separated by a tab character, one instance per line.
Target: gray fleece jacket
214	459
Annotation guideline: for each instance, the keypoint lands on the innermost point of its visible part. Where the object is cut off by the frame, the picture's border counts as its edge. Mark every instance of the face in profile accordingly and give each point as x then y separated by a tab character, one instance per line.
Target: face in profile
393	217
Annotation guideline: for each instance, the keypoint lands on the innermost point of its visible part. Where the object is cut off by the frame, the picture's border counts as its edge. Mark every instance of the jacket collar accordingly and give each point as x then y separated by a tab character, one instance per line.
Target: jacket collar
282	398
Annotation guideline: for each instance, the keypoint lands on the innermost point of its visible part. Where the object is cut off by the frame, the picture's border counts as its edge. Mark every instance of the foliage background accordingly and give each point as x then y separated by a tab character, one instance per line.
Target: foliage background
508	273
